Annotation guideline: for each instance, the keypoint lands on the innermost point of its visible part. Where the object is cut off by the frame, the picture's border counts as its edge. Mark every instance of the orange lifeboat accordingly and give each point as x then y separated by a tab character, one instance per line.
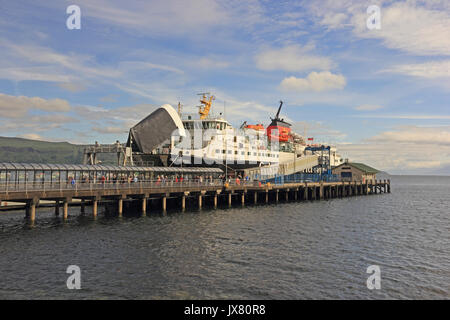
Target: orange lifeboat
257	127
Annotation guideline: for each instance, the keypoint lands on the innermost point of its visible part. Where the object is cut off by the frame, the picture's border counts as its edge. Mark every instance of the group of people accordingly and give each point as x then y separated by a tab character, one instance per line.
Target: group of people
163	179
237	180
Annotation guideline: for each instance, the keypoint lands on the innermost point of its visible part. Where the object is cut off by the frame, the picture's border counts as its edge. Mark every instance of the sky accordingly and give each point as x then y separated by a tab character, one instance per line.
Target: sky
381	95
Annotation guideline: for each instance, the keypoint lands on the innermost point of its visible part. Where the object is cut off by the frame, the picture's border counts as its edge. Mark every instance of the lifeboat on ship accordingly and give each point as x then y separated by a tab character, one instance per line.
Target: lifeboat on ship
279	130
256	127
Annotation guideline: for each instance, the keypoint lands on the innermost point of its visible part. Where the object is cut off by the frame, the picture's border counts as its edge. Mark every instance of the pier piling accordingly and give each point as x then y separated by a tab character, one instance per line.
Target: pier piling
144	195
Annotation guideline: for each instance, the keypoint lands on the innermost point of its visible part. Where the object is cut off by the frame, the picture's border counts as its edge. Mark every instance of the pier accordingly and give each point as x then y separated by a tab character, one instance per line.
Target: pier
154	195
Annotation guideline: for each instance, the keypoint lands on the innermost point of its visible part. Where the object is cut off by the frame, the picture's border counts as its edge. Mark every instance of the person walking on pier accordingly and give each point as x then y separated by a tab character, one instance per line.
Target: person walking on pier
158	181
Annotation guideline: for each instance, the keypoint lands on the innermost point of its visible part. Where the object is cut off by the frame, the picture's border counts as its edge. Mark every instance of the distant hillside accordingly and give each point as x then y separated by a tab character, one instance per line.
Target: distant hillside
25	150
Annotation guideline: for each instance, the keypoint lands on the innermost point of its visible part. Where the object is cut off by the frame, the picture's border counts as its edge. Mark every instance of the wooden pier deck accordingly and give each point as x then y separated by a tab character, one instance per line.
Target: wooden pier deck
157	193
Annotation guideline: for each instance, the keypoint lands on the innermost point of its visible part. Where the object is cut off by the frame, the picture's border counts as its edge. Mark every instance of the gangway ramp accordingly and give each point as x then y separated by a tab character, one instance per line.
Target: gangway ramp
285	168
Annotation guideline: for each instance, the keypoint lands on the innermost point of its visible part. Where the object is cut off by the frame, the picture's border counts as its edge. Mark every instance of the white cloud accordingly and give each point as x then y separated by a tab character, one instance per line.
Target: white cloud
292	58
405	150
416	135
32	136
19	106
416	27
209	63
111	130
334	20
315	81
405	116
368	107
410	28
175	17
129	66
72	86
429	70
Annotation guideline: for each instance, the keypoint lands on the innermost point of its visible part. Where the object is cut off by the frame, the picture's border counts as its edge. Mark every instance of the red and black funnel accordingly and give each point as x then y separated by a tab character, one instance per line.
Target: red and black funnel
279	130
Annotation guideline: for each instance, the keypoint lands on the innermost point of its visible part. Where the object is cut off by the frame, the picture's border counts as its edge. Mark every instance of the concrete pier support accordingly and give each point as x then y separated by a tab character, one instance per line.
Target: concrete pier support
305	192
94	208
276	195
183	200
216	198
321	191
164	203
144	205
83	206
267	196
295	194
66	208
200	201
243	198
287	194
57	208
389	186
229	199
31	211
255	198
120	207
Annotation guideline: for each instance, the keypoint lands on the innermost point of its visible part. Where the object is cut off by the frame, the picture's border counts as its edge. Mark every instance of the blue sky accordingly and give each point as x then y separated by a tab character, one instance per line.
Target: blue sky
381	95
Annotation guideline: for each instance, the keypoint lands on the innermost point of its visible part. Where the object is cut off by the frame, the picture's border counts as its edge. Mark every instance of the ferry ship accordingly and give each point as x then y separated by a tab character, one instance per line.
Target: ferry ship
213	141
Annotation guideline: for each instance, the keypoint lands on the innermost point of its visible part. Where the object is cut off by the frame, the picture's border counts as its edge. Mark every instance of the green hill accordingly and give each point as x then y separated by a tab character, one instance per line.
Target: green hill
34	151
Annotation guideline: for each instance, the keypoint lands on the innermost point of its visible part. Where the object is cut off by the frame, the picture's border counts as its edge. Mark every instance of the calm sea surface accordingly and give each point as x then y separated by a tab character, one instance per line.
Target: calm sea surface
303	250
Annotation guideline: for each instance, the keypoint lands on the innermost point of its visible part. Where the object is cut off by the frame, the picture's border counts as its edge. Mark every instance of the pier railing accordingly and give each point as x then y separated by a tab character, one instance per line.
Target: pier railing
102	185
